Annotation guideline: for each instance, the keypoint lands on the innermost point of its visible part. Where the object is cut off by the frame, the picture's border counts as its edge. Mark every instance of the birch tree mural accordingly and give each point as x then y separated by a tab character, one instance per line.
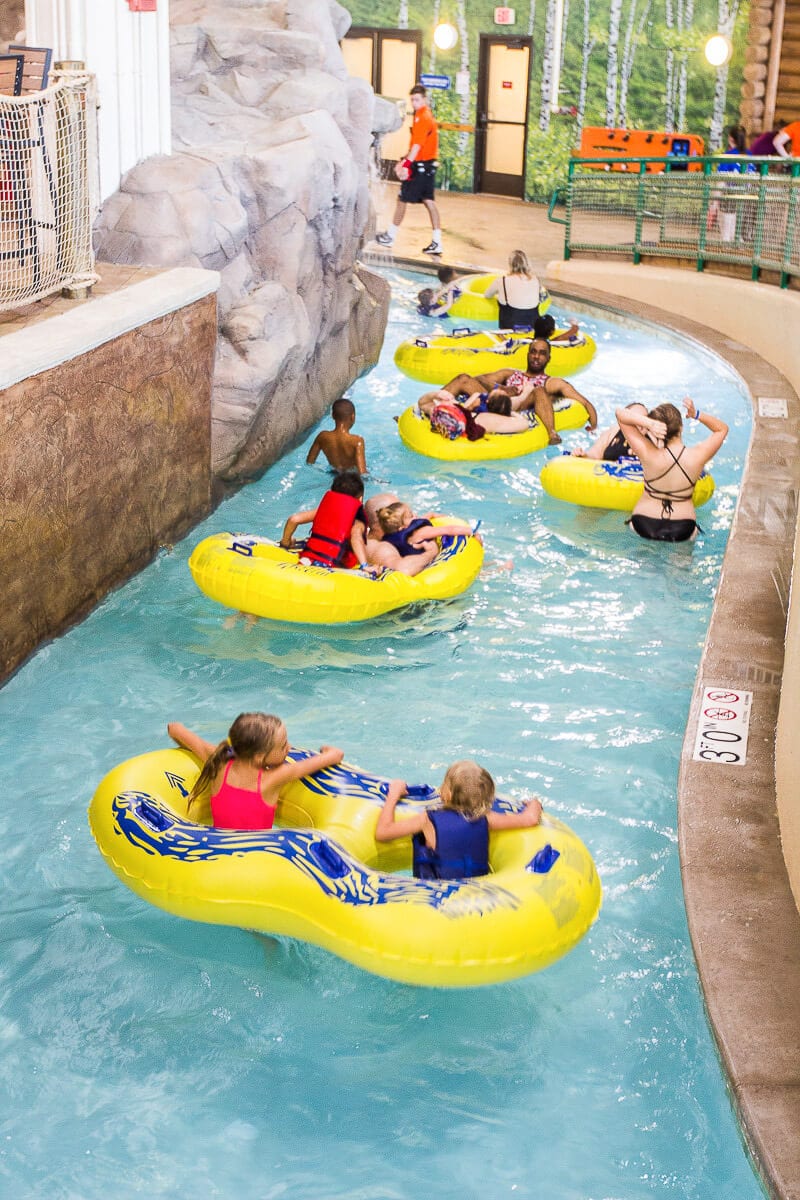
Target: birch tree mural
685	22
402	16
564	24
587	46
549	51
434	22
633	36
531	18
680	38
465	102
612	69
727	12
669	114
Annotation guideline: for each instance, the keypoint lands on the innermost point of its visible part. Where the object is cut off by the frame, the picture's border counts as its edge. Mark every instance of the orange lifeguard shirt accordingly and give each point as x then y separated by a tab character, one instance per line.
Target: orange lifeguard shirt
425	134
793	131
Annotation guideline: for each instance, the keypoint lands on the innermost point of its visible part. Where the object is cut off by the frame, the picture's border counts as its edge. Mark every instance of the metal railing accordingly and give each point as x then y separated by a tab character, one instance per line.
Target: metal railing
715	209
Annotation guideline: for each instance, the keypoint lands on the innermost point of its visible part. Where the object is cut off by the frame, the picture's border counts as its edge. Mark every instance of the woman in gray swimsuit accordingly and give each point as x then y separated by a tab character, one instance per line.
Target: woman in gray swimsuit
665	512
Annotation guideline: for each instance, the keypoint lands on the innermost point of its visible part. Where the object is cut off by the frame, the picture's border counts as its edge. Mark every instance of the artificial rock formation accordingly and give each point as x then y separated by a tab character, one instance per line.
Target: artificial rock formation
268	184
12	21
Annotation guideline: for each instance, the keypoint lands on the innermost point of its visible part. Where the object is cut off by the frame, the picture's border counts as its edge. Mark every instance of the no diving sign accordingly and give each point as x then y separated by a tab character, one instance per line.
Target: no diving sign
723	726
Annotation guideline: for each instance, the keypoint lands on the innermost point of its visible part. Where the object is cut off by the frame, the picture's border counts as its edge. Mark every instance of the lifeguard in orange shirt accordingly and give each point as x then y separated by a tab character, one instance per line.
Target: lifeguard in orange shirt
417	172
787	141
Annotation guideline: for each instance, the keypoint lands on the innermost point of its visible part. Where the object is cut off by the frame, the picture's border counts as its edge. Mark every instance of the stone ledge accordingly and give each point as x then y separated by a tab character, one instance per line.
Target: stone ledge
58	338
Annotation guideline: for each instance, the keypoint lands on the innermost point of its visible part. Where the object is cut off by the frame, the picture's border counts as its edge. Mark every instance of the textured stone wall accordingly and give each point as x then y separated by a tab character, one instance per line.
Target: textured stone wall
269	185
102	459
12	21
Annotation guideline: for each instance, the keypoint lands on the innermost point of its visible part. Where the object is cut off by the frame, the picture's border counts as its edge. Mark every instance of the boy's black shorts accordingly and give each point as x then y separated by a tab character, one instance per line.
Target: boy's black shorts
420	186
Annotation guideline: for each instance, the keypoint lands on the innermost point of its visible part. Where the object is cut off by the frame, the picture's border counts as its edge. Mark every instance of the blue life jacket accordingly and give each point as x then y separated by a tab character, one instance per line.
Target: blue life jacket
400	539
462	847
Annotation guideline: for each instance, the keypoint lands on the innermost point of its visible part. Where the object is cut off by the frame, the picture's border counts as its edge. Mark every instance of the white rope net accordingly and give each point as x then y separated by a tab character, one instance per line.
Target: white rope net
49	190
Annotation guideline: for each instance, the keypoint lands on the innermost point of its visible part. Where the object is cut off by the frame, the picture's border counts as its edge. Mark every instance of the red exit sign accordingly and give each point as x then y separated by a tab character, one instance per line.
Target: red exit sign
142	5
504	16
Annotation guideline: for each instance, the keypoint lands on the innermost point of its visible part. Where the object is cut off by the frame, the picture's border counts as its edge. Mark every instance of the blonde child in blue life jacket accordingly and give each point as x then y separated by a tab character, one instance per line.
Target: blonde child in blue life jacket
452	842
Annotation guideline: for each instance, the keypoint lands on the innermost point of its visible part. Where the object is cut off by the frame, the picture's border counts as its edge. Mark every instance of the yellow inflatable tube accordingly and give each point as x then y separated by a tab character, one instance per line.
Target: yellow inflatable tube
614	485
254	575
321	877
416	433
474	305
439	357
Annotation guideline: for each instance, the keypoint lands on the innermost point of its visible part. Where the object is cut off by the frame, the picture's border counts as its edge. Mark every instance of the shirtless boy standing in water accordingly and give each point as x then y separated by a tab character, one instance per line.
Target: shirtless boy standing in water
344	450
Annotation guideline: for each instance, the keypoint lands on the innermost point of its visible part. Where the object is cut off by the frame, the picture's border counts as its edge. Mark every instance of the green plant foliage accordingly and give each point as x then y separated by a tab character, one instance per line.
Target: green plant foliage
547	161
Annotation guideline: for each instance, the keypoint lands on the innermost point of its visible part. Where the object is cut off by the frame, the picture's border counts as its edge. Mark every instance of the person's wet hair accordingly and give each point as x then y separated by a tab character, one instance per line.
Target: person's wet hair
392	517
671	417
342	409
500	403
738	135
544	326
470	787
518	263
250	735
348	483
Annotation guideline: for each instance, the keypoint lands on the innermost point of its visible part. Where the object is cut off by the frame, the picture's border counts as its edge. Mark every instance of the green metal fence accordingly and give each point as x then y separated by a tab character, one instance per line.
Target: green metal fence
720	209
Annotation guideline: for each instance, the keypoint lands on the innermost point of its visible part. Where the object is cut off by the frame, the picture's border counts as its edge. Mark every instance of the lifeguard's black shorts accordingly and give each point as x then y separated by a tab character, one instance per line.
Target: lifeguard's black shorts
420	186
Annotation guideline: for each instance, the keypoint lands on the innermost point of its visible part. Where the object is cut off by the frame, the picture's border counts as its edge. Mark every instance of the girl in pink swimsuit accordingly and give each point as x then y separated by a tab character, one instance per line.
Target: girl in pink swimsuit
246	772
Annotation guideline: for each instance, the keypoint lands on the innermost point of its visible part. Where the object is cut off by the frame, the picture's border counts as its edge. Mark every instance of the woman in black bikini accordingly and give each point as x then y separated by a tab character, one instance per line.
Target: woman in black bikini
612	444
517	294
665	512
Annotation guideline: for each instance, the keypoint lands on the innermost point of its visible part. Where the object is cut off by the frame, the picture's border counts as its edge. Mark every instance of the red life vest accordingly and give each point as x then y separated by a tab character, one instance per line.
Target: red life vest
329	540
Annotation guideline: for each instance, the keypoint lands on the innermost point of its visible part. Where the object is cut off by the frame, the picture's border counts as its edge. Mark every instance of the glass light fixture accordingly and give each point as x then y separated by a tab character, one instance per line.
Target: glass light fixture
445	35
718	50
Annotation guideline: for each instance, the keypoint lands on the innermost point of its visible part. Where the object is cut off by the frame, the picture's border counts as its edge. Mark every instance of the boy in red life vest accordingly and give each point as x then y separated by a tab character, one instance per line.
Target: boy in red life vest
338	525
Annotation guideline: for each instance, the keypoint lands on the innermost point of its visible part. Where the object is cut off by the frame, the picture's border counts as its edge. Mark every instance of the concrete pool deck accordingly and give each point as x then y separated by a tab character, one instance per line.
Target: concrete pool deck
743	920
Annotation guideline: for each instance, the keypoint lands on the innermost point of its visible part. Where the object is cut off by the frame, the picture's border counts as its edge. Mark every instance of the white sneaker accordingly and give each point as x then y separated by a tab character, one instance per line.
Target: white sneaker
432	247
384	239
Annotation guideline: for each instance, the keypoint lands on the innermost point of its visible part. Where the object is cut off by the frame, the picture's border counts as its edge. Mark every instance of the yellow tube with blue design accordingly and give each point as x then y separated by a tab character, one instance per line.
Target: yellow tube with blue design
321	877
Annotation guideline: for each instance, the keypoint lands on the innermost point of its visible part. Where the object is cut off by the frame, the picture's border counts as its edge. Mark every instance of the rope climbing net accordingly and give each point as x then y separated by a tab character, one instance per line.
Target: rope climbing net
48	189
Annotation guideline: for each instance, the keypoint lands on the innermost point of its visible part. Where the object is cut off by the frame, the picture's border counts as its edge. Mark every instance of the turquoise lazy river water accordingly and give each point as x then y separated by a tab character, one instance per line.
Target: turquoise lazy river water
144	1055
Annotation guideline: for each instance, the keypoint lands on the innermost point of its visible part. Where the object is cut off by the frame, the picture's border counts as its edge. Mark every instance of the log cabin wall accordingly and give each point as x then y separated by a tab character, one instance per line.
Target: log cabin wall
771	88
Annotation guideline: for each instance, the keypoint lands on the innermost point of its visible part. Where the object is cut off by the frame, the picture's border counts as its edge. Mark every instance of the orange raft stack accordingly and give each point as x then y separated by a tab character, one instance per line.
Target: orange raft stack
611	147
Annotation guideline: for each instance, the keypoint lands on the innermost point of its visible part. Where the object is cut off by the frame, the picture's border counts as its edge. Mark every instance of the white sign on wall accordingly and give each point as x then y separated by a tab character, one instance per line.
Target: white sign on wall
723	726
772	406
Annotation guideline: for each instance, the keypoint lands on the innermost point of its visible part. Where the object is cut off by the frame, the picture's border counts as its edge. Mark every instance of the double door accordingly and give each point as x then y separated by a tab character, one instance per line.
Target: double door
389	60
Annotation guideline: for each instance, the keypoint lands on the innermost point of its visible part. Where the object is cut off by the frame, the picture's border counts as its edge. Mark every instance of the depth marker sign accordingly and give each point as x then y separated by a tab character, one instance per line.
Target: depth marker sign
723	727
